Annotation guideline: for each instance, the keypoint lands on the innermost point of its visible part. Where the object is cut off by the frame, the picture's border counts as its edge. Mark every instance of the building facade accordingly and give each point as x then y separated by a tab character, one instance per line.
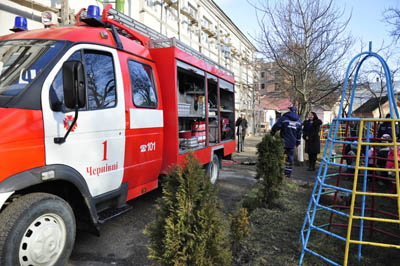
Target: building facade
269	77
200	24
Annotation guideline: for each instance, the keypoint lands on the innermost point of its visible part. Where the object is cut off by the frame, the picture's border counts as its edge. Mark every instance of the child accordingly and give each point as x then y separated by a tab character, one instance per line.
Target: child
390	159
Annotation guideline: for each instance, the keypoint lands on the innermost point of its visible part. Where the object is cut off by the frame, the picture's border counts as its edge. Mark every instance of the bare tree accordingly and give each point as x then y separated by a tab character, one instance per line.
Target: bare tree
392	17
373	78
306	39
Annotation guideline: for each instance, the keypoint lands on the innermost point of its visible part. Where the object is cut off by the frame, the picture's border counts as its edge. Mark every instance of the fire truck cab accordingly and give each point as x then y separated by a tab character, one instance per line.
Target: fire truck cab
90	116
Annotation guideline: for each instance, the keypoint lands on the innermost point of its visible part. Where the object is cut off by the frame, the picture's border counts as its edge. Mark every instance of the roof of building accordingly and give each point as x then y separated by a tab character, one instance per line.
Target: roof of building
371	105
284	105
267	104
274	101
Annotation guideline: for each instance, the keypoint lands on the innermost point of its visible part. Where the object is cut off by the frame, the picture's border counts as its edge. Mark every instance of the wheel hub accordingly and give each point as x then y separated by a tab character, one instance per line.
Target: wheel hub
43	241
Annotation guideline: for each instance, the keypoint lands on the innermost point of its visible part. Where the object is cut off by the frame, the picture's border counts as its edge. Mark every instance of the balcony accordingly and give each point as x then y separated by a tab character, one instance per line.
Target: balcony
171	4
209	31
190	13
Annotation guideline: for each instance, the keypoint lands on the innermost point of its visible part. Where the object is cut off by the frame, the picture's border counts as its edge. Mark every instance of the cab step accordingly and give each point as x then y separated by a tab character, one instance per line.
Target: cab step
112	213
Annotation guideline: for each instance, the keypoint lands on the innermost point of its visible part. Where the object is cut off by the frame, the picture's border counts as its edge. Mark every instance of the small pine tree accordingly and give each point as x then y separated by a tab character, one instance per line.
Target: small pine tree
240	228
189	227
270	168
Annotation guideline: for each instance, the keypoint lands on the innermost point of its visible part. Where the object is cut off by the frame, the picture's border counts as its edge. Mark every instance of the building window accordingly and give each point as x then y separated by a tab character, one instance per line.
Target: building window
151	4
172	14
262	86
204	37
192	11
206	23
262	74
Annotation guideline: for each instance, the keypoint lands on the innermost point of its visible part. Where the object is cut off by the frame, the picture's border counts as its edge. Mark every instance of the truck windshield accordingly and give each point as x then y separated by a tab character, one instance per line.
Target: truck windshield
21	61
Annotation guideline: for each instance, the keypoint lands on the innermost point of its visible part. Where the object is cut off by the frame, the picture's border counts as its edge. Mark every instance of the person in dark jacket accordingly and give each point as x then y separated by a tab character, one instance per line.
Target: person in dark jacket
386	128
311	129
242	125
290	130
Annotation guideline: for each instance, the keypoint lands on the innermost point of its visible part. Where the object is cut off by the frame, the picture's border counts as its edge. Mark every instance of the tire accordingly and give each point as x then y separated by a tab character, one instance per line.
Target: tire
37	229
213	169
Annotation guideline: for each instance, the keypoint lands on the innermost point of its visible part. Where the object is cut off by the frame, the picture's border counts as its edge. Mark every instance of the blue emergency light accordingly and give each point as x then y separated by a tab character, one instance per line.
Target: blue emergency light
93	12
92	16
20	24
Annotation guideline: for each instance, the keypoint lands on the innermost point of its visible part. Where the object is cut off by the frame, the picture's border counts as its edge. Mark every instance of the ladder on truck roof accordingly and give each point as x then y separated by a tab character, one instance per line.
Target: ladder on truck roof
159	40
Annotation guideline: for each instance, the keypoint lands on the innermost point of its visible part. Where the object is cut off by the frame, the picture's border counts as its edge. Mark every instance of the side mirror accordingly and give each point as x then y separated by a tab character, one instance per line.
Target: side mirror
74	84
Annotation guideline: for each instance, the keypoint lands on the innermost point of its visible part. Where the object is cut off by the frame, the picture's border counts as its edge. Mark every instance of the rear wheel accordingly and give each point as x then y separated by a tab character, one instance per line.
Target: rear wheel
37	229
213	169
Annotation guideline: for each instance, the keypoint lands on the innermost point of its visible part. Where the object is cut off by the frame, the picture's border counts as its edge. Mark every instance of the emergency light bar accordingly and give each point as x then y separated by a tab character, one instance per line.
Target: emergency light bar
20	24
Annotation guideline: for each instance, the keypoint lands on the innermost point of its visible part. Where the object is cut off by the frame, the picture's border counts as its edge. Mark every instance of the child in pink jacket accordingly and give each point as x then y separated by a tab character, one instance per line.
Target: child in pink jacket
390	158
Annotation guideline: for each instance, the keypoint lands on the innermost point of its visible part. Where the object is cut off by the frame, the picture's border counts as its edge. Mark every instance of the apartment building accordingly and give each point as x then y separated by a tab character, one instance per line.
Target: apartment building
200	24
206	28
269	77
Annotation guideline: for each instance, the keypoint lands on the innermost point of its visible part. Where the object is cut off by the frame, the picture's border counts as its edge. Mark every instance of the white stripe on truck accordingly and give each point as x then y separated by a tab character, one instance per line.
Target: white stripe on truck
146	118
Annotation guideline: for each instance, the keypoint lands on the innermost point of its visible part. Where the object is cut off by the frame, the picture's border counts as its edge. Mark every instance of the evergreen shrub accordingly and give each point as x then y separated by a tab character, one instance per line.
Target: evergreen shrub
189	228
240	228
270	169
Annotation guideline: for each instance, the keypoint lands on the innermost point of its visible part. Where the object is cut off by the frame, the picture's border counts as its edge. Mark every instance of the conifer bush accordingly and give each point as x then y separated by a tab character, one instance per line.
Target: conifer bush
240	228
270	169
189	228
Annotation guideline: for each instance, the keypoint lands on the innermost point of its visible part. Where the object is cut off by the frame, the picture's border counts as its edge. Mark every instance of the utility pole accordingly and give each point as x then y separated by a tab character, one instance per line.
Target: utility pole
64	12
179	19
161	14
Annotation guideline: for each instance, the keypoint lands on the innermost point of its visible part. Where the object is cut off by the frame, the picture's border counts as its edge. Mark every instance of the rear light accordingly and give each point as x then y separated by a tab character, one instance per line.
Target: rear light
20	24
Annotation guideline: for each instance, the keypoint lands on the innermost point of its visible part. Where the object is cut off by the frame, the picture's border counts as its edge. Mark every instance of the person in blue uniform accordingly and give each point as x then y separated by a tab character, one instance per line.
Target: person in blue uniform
289	126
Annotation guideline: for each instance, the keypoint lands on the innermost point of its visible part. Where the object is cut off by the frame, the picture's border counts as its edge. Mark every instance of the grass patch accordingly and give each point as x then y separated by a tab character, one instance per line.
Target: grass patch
275	235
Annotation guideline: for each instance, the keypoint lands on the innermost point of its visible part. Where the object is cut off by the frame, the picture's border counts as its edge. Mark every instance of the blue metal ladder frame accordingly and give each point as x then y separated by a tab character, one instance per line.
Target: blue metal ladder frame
326	161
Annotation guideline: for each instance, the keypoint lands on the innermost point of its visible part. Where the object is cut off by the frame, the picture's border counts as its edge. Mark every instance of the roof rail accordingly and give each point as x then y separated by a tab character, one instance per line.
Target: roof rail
125	24
149	37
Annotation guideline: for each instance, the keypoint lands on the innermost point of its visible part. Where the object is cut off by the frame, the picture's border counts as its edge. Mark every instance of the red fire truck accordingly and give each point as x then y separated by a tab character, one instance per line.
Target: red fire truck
90	116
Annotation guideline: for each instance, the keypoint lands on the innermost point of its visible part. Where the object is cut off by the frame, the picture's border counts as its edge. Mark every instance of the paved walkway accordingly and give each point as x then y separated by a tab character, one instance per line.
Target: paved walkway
249	156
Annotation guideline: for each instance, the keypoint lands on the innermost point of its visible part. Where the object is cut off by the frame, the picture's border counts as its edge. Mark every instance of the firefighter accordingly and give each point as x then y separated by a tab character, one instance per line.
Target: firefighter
289	126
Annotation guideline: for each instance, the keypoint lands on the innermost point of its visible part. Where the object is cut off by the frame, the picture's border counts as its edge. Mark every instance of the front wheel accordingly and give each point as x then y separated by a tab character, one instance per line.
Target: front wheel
213	169
37	229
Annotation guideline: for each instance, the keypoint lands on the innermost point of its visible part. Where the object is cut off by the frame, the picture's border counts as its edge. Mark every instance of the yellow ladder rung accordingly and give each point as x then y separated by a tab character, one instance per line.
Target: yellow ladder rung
389	144
377	219
388	195
380	119
374	244
378	169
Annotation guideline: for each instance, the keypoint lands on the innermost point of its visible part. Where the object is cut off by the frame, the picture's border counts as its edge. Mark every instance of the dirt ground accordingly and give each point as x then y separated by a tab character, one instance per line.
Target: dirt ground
122	241
275	232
